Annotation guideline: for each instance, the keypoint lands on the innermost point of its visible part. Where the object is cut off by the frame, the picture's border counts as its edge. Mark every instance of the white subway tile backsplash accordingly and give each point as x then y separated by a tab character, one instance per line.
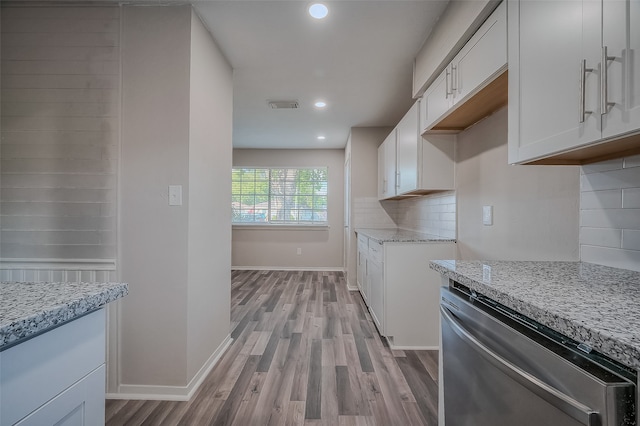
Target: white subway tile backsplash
611	218
611	179
617	258
631	239
610	213
609	199
633	161
631	198
432	214
602	166
601	237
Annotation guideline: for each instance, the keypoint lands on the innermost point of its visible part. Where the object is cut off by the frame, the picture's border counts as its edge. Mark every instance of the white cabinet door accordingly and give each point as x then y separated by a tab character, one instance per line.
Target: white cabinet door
436	101
621	38
482	58
376	295
80	405
361	267
407	151
548	43
390	164
382	179
35	372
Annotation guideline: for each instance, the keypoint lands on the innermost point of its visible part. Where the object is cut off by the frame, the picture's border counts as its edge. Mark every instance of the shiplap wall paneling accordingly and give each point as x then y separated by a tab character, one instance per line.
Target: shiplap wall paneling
60	125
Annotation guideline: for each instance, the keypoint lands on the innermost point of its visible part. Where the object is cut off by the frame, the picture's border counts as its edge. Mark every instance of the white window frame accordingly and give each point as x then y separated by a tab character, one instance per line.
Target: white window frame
269	224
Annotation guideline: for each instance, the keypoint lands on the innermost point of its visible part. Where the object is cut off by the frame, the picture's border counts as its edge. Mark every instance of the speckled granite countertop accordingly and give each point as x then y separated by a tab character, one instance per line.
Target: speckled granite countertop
397	235
594	304
27	309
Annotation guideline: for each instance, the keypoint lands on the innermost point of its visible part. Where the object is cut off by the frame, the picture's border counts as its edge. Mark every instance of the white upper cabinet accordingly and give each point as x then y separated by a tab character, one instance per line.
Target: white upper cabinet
407	150
621	39
482	59
387	167
410	164
565	97
436	101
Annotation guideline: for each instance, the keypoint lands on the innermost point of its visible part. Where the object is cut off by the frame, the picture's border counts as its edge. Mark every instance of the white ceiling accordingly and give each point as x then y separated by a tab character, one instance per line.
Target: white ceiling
359	60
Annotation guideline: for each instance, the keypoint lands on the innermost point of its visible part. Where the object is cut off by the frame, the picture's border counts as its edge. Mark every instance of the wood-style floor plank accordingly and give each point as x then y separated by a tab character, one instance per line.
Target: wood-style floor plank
305	352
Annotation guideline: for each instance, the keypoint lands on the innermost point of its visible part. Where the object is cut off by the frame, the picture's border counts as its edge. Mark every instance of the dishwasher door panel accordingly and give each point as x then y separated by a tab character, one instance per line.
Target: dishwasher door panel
479	394
499	372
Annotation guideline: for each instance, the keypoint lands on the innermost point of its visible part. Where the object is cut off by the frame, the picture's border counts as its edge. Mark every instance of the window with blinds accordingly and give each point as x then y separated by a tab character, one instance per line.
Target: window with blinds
60	120
279	196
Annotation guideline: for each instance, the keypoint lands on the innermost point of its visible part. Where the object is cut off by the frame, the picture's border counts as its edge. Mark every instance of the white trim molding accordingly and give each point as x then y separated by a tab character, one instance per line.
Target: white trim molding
289	268
172	393
58	270
59	264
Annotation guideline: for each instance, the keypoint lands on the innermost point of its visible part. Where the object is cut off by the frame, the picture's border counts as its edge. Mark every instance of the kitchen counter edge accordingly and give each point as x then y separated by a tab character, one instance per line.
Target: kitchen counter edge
581	313
32	308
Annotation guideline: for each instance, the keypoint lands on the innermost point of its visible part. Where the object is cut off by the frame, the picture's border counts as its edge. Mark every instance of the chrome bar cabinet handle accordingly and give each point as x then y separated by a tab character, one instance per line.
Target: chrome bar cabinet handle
604	90
583	75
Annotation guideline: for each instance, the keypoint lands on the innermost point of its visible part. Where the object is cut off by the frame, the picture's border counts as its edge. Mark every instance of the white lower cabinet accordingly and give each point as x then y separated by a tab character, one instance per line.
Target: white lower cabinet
402	292
56	378
361	269
81	404
376	296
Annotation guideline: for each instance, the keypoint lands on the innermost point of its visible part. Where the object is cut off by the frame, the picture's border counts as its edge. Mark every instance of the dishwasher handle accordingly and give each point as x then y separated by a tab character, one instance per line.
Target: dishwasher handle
563	402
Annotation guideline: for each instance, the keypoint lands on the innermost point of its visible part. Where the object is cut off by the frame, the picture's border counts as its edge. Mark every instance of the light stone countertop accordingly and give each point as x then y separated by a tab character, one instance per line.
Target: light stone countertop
28	309
594	304
398	235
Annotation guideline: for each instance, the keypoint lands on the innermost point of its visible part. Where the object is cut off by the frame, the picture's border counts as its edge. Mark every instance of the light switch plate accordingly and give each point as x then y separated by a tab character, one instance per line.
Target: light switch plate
175	195
487	215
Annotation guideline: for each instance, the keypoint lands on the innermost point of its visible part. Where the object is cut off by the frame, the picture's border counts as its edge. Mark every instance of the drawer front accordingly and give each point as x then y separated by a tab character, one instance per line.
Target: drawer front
376	251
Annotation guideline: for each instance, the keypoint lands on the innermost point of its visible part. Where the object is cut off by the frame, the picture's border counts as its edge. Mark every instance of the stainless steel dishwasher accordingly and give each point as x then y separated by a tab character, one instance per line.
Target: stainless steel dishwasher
501	368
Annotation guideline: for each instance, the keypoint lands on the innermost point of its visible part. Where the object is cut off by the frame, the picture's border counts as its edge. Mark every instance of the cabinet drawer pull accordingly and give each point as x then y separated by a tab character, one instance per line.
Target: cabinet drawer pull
604	92
446	83
583	75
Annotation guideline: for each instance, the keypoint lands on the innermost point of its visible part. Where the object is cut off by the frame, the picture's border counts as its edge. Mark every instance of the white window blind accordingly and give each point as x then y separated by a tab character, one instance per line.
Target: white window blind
294	196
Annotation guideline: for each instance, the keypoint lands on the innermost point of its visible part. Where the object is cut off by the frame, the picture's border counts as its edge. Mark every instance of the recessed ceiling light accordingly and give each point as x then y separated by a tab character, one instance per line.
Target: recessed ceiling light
318	10
321	138
320	104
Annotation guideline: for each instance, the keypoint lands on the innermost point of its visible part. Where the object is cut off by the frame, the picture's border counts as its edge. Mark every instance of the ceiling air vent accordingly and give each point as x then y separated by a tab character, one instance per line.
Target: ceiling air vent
283	104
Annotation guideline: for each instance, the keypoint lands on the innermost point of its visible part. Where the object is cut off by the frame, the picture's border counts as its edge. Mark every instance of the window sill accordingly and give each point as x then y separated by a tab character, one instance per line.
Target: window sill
278	227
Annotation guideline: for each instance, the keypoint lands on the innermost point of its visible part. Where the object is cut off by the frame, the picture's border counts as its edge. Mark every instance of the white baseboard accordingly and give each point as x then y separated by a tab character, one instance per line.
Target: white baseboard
413	348
289	268
172	393
351	287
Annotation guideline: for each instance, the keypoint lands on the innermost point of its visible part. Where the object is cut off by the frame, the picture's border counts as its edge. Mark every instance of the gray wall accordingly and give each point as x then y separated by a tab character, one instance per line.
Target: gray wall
535	208
210	151
155	153
322	248
176	129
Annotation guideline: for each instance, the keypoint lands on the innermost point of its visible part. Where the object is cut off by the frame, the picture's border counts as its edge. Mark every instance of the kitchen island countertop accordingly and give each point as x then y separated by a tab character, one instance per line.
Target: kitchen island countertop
592	304
399	235
30	308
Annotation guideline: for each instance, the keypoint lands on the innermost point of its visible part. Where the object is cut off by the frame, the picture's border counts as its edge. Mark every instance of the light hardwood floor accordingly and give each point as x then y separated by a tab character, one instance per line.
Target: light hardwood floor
305	352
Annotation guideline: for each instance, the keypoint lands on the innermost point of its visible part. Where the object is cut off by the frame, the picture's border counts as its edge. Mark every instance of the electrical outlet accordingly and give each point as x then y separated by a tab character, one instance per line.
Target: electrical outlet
299	251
